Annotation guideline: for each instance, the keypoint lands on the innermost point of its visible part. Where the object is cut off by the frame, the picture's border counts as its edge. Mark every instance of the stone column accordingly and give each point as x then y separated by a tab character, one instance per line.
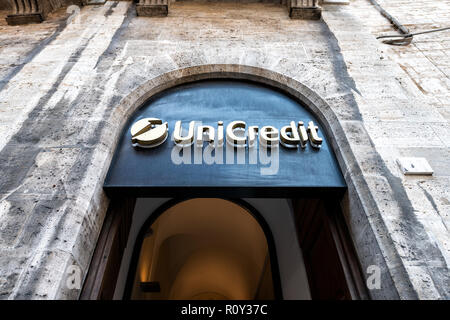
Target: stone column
151	8
304	9
35	11
26	11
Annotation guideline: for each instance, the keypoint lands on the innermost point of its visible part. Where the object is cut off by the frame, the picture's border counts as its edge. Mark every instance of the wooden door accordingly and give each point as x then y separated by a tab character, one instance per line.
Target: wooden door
101	279
330	259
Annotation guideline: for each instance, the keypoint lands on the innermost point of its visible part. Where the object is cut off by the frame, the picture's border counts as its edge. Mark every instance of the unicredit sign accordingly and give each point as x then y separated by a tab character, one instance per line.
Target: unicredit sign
151	132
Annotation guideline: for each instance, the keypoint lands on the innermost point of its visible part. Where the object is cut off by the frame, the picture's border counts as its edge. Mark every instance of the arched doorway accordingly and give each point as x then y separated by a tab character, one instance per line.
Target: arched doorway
203	248
306	175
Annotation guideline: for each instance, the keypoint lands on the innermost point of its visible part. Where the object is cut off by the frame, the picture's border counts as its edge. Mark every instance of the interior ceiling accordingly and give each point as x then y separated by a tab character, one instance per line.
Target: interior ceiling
205	248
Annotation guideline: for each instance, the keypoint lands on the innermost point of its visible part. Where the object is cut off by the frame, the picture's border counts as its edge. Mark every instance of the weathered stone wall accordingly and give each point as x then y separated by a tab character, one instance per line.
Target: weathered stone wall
403	96
63	108
5	5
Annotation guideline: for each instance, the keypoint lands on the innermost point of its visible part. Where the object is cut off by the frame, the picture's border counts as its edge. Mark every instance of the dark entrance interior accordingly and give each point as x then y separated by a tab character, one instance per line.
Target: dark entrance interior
331	263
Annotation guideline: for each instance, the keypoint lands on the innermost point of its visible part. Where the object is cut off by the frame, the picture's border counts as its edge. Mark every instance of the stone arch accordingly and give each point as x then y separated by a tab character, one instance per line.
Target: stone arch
356	203
363	216
300	91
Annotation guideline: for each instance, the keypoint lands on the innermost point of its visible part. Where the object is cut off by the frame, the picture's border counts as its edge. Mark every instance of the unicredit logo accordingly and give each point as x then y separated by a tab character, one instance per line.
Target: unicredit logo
151	132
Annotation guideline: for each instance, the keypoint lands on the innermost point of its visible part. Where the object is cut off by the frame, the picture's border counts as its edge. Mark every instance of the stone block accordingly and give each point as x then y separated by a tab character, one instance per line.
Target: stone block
144	10
313	13
35	11
335	2
17	19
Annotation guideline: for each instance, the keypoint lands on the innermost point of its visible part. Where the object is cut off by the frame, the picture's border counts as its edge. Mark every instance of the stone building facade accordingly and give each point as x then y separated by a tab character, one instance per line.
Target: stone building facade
69	84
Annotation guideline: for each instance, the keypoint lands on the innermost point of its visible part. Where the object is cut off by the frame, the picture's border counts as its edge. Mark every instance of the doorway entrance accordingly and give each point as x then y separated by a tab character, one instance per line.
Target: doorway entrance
202	249
272	249
233	249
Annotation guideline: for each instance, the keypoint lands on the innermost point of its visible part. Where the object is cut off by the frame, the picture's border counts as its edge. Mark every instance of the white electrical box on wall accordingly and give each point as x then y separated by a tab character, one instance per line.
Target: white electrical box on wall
414	166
